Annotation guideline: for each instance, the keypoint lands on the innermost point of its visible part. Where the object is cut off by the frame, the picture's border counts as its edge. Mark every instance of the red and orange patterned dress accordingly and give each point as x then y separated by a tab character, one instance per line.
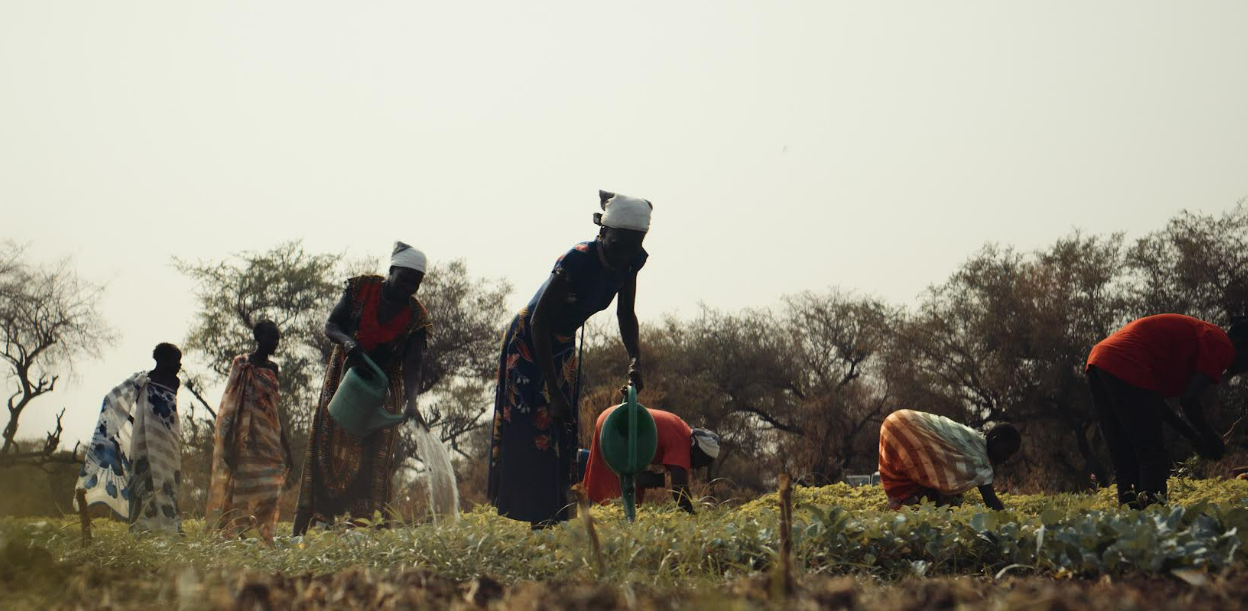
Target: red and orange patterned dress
344	474
248	426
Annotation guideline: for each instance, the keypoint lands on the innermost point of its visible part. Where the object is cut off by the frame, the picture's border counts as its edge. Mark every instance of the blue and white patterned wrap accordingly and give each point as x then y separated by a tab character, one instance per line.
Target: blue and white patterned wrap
105	473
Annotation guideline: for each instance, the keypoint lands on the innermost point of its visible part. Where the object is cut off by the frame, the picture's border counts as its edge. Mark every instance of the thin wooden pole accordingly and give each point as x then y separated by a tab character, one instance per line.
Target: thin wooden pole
786	531
583	500
84	516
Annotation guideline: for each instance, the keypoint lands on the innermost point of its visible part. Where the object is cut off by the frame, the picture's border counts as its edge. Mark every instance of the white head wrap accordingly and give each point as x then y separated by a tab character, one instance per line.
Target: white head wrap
624	212
406	256
706	441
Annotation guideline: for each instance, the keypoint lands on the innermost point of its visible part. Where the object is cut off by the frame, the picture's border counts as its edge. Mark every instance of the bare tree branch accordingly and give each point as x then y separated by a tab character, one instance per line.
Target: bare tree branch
193	387
49	318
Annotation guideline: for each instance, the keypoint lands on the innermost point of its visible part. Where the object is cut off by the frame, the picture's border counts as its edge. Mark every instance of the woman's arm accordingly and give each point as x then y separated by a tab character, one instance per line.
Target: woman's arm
680	488
338	323
680	484
555	293
990	497
629	329
1209	444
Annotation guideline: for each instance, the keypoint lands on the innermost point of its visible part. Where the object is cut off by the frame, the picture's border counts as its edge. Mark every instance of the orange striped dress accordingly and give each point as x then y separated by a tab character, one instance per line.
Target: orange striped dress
924	451
247	422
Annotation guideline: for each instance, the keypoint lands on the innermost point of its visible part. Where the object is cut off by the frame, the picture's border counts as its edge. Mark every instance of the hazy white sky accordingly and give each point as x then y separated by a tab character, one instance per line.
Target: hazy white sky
785	145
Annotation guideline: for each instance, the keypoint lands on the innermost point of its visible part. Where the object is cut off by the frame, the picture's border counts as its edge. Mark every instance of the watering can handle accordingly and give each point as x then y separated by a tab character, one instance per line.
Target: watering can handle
632	424
372	365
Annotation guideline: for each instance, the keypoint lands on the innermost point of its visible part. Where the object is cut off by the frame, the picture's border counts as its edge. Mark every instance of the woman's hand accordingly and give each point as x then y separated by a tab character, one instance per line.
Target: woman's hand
1211	447
990	498
634	374
352	348
411	413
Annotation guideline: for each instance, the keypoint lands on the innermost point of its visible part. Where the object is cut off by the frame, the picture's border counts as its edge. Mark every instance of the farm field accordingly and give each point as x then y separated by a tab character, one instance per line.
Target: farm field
1045	551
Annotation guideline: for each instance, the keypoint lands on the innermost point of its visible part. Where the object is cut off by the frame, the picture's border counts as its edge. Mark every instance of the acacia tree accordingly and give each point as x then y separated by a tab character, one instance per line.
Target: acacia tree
286	284
462	356
49	318
837	341
1005	339
297	289
1196	265
1077	296
697	370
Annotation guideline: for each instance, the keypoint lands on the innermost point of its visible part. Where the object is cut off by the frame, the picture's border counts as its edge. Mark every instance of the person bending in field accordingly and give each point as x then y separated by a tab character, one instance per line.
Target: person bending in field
1131	374
925	456
681	448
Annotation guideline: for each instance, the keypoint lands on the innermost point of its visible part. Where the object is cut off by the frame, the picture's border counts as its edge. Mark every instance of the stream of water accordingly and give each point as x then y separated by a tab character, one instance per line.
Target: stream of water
439	475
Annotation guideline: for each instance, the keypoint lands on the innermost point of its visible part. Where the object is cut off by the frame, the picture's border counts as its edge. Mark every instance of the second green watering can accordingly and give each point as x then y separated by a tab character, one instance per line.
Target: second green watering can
629	440
359	404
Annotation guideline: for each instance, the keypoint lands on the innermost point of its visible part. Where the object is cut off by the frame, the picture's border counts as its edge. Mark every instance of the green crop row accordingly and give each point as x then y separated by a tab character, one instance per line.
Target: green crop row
836	530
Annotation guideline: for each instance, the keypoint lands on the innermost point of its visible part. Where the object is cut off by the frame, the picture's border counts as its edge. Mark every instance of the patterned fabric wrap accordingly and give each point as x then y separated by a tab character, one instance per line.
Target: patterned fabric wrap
531	454
105	474
248	427
925	451
342	473
156	451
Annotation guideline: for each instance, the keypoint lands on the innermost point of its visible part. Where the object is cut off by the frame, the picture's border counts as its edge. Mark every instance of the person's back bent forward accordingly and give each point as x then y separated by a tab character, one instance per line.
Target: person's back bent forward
925	456
681	448
1131	374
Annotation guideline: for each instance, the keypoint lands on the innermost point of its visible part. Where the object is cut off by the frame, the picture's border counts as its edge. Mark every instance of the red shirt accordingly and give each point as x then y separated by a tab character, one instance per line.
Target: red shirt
675	442
1161	353
373	332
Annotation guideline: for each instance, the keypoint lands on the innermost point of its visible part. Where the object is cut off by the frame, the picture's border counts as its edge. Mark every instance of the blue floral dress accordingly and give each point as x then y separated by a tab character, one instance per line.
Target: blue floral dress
134	464
531	456
105	474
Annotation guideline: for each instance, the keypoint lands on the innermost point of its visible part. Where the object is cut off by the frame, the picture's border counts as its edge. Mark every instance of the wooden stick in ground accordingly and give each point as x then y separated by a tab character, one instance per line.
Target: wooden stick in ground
583	501
84	516
786	530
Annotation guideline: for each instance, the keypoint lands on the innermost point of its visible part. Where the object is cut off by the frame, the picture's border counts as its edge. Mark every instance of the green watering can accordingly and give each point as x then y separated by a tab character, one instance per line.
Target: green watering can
359	404
629	440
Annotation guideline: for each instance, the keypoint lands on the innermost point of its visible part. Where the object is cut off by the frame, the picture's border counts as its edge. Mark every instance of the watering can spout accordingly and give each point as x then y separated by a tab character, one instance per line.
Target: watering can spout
382	419
629	439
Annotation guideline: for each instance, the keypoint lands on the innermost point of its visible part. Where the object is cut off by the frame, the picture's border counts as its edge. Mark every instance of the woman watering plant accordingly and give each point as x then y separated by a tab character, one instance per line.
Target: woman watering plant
381	319
535	418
